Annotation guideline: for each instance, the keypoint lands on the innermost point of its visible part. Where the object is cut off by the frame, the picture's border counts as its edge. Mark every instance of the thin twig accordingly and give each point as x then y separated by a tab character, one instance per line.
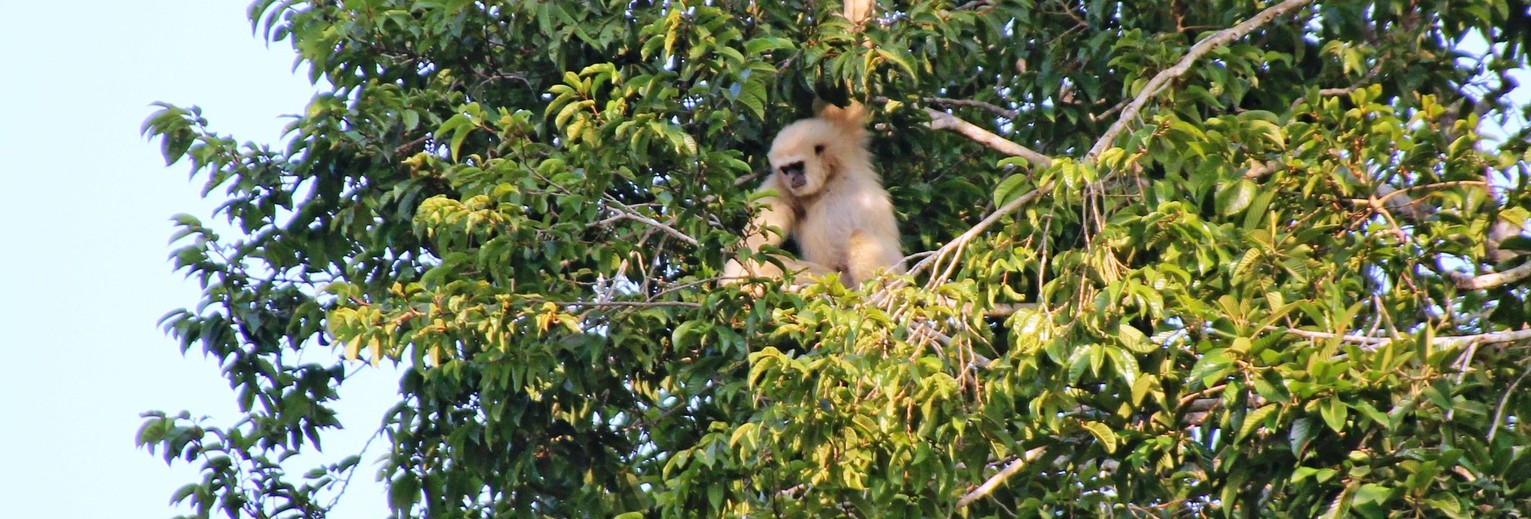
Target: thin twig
1162	80
1332	92
1110	111
1439	185
410	146
1493	427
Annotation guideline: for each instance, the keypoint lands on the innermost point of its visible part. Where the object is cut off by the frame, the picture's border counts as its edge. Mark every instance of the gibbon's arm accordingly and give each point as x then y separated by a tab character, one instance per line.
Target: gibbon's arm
775	221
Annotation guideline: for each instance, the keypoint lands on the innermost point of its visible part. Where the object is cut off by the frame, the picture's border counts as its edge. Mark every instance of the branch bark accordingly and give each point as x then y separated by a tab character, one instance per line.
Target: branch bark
1162	80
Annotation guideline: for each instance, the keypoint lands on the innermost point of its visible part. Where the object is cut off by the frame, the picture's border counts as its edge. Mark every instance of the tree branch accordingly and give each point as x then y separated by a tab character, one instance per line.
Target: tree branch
624	212
627	304
1374	343
961	241
1492	280
1493	427
1163	78
996	480
944	121
996	110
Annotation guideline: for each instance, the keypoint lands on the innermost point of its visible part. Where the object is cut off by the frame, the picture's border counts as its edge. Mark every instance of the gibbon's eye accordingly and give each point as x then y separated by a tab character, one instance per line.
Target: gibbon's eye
818	150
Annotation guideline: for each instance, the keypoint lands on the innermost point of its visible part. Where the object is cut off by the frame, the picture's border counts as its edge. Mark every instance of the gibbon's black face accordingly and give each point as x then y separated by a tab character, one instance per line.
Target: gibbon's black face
802	156
793	174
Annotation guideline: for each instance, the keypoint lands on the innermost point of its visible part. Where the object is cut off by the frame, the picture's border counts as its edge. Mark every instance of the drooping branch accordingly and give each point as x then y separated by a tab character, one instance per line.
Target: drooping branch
1162	80
944	121
962	240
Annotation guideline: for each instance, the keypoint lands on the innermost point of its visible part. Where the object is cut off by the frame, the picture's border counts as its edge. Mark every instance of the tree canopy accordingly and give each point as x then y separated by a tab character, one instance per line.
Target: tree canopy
1170	258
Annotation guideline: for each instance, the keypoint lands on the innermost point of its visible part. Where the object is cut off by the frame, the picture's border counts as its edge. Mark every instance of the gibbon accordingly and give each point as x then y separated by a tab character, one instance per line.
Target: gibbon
824	194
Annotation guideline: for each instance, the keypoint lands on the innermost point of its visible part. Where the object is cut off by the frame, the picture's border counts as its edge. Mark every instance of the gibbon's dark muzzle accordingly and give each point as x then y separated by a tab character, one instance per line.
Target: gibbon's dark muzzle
794	173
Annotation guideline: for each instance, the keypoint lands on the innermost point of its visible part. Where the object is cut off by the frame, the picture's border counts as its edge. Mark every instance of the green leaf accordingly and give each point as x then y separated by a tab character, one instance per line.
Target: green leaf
411	119
1235	196
1334	412
1103	434
403	492
1134	339
1372	493
759	46
1255	419
1211	368
1125	363
1008	189
752	94
688	335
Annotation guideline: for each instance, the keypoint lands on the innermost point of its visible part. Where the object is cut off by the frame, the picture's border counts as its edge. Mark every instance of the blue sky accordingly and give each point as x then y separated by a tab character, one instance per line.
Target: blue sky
85	203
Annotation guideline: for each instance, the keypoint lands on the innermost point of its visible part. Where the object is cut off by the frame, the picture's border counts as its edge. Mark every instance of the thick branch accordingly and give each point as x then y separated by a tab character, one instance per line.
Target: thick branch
1494	279
1373	343
998	479
944	121
1201	48
858	11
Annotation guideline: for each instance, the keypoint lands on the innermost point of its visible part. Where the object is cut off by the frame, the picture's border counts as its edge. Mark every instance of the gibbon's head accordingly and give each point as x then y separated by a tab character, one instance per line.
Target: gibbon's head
808	154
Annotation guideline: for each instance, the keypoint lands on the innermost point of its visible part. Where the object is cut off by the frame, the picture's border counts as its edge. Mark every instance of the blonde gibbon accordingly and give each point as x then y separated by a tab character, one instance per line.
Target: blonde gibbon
823	193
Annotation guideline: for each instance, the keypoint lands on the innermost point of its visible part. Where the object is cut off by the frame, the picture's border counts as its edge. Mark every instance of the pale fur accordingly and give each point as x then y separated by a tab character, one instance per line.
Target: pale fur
841	217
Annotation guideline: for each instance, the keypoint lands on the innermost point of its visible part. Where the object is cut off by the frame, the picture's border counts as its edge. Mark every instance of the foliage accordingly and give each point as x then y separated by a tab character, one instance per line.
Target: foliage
1258	300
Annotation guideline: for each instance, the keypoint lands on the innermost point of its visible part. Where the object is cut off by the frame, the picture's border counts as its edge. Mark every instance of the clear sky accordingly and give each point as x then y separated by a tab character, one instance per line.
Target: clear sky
85	203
